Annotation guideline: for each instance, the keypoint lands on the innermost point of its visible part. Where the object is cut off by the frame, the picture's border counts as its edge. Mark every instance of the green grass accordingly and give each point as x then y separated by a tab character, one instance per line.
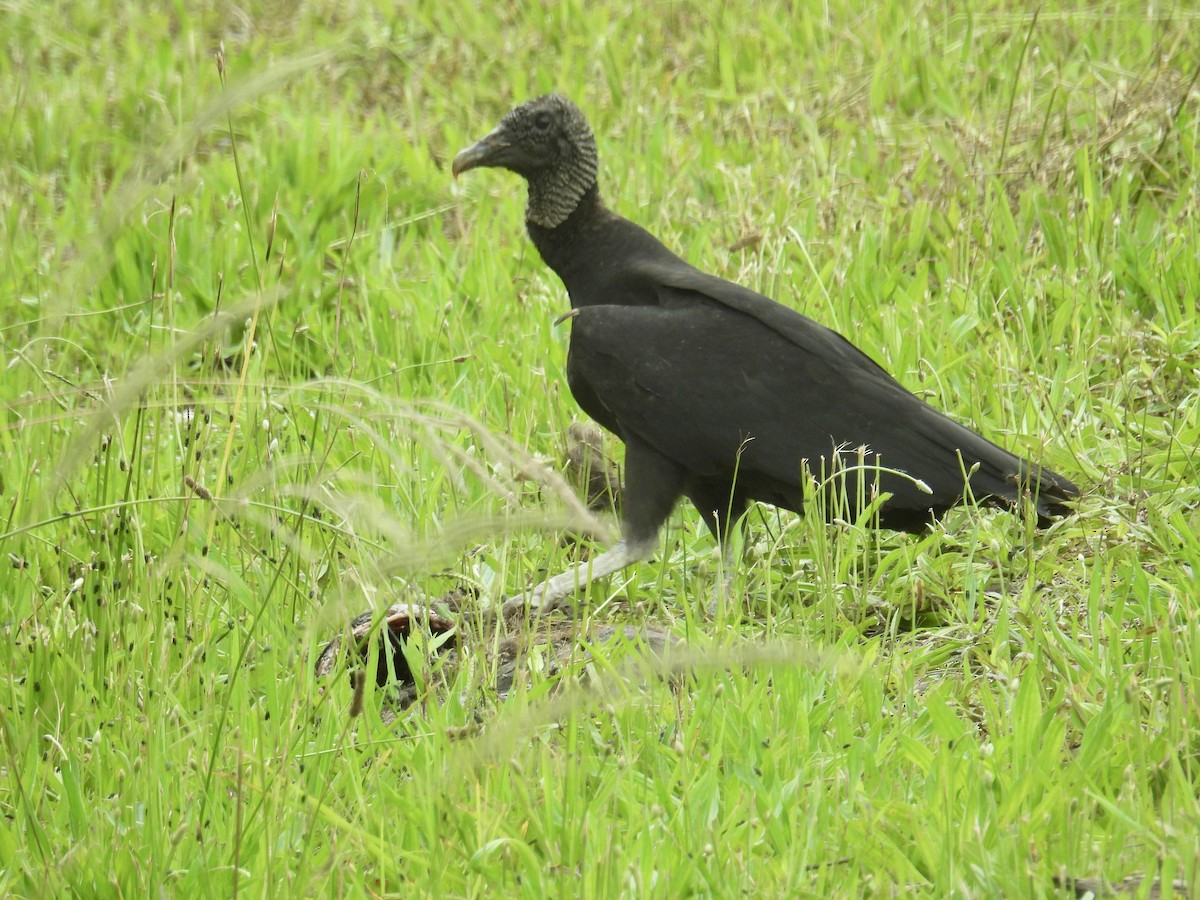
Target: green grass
268	286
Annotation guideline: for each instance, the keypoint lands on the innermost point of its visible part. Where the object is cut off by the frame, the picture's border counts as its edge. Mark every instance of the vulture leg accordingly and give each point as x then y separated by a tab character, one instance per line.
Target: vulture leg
653	484
723	512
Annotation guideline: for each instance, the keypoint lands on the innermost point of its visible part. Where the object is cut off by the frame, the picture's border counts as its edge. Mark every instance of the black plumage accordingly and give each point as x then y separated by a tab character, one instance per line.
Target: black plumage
720	394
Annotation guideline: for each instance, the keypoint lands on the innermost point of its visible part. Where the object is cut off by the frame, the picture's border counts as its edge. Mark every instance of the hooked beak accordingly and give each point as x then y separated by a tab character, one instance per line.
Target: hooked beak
482	153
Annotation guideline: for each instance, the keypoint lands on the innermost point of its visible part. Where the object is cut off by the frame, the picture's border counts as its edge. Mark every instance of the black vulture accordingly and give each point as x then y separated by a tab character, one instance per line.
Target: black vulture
720	394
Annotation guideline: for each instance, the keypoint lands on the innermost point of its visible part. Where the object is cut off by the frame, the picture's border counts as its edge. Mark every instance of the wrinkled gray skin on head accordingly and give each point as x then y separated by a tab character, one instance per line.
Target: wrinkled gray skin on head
548	142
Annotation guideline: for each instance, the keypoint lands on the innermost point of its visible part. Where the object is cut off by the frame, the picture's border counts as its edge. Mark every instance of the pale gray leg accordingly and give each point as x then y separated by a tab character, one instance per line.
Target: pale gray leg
653	484
550	594
724	585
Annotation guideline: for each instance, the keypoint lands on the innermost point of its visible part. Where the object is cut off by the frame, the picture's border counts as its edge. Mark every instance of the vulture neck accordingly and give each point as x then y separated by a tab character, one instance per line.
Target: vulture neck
572	248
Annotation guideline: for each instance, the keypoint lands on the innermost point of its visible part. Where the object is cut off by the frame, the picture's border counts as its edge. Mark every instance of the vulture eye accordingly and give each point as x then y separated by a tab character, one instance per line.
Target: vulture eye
541	122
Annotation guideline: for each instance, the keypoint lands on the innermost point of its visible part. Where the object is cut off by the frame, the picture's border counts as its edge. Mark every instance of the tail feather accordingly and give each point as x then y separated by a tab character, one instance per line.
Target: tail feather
1020	479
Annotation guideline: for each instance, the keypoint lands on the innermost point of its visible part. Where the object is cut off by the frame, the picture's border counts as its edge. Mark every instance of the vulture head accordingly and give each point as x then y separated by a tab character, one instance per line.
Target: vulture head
548	142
